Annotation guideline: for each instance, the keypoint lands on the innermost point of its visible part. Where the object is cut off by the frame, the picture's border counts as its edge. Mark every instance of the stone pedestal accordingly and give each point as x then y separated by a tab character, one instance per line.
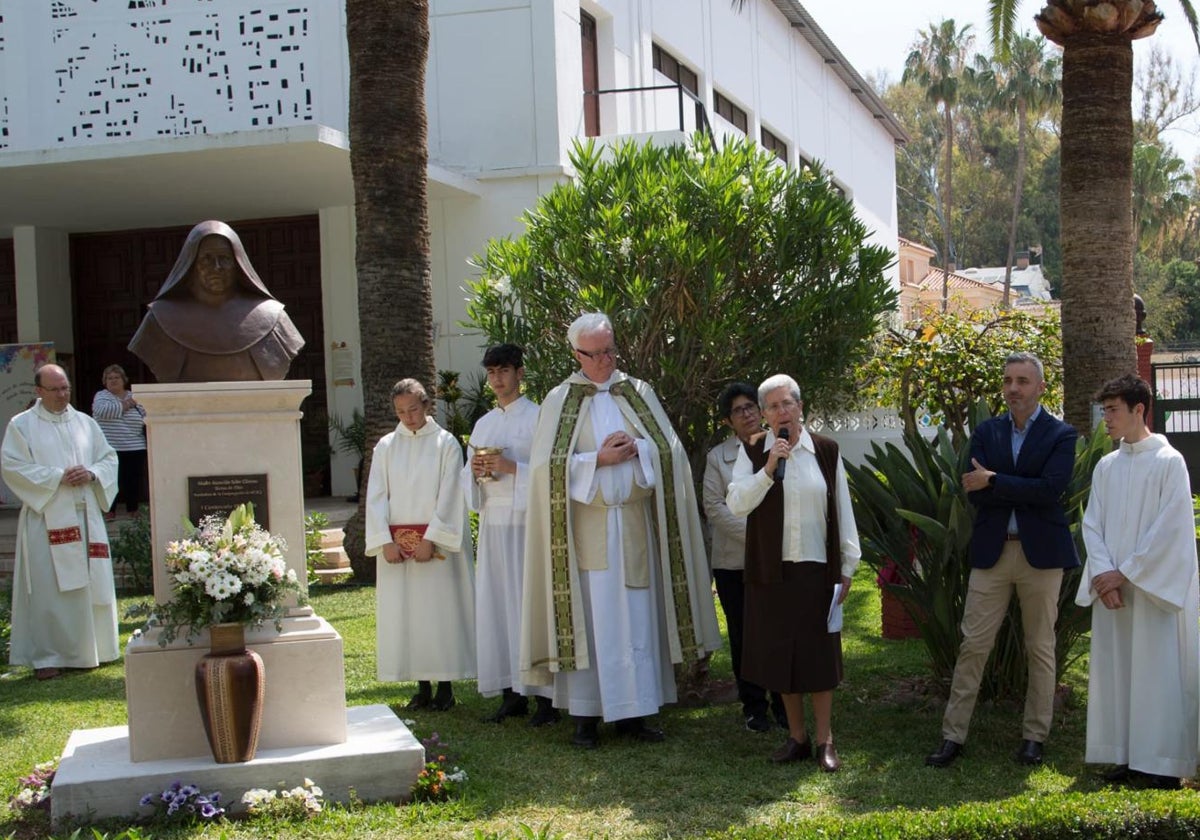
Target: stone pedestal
215	429
224	428
304	705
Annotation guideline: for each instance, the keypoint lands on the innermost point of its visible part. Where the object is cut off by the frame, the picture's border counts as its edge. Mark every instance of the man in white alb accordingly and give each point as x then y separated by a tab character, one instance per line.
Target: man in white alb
496	485
616	578
58	463
1141	582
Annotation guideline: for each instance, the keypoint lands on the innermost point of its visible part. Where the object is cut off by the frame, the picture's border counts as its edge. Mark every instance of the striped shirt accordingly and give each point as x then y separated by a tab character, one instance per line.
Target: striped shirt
123	428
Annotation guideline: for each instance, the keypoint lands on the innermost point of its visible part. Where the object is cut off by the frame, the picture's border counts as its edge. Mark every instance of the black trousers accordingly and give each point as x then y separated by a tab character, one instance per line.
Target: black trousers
731	593
131	475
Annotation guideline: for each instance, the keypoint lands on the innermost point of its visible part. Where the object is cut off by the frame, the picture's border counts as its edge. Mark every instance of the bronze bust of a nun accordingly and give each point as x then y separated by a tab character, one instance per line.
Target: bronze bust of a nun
213	319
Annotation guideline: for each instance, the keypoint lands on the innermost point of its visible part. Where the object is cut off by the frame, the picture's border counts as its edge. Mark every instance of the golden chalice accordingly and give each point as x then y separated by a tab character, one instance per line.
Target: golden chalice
487	452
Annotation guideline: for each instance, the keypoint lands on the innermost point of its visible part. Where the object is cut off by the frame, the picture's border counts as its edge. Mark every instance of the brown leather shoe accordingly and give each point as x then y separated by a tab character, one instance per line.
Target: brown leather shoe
46	673
793	750
827	758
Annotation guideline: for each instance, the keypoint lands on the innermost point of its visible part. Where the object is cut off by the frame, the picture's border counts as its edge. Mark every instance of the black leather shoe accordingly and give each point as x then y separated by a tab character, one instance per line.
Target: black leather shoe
636	728
945	755
793	750
585	736
443	701
513	705
759	723
1157	782
827	759
545	714
422	698
1118	774
1030	752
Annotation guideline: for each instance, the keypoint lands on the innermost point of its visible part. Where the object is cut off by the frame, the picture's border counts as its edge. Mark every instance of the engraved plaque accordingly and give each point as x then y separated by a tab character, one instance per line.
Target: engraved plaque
218	495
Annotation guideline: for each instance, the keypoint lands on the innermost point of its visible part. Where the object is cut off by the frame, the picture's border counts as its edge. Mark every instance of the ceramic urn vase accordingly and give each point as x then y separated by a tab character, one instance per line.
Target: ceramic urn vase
230	683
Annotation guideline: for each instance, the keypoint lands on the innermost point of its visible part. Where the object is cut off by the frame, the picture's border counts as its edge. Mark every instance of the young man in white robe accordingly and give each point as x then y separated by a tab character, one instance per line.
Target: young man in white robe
59	464
496	485
1141	582
417	528
616	578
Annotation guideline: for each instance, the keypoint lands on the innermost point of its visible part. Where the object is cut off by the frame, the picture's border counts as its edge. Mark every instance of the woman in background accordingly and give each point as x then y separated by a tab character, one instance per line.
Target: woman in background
123	421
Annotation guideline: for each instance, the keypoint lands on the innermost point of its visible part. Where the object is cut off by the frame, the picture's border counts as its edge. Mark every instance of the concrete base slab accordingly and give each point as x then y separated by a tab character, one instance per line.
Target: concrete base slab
379	761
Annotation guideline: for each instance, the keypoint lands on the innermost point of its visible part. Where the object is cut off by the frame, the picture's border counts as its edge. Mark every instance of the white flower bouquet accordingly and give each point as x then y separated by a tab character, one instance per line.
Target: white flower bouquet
225	571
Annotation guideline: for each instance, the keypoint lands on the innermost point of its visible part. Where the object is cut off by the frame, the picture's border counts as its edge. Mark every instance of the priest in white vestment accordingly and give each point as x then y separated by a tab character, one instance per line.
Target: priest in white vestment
617	586
59	464
1141	582
417	528
496	485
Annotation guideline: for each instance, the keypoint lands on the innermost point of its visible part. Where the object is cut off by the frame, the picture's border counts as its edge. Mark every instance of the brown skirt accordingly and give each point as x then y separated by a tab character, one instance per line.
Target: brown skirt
786	646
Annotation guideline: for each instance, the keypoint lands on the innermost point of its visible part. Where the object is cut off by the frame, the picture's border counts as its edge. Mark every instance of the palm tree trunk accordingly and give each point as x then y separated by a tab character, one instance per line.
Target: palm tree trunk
1097	222
949	193
1018	188
388	45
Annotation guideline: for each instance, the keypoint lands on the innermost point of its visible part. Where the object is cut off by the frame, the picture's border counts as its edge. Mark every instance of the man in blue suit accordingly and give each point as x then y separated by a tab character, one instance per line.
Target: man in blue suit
1022	462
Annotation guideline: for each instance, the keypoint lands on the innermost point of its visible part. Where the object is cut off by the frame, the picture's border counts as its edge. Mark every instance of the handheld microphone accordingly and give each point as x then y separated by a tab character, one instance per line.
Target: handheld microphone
784	434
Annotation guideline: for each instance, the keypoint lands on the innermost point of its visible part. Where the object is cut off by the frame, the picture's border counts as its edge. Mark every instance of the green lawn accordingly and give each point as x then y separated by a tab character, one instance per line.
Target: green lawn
710	776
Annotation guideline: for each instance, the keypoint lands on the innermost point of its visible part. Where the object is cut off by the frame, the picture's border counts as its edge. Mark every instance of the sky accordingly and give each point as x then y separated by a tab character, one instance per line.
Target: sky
876	36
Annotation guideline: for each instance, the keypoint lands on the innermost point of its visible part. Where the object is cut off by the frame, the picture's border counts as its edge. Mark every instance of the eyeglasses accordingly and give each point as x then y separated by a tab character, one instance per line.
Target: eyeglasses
611	352
783	405
744	410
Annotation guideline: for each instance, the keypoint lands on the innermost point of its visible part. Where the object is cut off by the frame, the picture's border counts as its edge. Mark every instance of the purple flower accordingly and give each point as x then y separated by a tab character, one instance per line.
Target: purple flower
148	799
208	811
171	809
189	790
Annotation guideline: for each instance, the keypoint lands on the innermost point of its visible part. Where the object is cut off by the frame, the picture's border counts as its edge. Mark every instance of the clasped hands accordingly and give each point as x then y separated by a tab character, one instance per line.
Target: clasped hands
617	448
76	476
422	554
1108	588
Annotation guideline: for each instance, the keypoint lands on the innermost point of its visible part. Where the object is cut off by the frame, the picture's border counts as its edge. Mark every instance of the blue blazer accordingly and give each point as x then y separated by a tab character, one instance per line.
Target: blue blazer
1033	487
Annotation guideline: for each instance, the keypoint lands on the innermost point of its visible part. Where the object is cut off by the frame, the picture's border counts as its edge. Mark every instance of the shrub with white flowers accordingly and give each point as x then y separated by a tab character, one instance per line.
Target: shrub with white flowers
226	570
301	802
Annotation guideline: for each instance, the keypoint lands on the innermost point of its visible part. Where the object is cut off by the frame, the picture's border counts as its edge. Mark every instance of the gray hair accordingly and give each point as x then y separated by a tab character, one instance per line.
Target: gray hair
1024	358
774	383
585	324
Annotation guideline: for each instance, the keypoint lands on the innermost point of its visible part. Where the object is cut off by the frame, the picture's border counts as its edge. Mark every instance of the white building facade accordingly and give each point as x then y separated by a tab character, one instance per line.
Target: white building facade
122	124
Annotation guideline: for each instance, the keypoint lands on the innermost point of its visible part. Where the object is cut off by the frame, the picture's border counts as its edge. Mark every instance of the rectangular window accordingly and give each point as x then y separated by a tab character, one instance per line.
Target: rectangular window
670	67
732	113
774	145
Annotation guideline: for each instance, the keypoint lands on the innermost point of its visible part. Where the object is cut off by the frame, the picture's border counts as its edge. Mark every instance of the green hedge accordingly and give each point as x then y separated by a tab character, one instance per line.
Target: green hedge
1147	815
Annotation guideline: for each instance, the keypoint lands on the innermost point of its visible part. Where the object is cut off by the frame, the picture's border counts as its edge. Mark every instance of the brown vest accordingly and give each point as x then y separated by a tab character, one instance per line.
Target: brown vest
764	525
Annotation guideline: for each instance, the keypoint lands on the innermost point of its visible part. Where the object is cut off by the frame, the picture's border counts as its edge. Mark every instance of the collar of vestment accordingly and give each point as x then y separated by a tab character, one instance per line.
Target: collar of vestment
1146	444
430	428
615	383
43	413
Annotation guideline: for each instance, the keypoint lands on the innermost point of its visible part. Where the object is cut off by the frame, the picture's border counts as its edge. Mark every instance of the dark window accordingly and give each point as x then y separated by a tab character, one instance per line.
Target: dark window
591	75
735	115
670	67
774	145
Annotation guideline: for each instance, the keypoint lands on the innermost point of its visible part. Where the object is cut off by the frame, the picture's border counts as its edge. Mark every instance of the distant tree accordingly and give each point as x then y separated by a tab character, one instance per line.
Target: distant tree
1022	80
936	63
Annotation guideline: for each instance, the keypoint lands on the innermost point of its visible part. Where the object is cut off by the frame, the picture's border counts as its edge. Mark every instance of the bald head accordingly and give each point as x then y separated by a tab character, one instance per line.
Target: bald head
53	388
